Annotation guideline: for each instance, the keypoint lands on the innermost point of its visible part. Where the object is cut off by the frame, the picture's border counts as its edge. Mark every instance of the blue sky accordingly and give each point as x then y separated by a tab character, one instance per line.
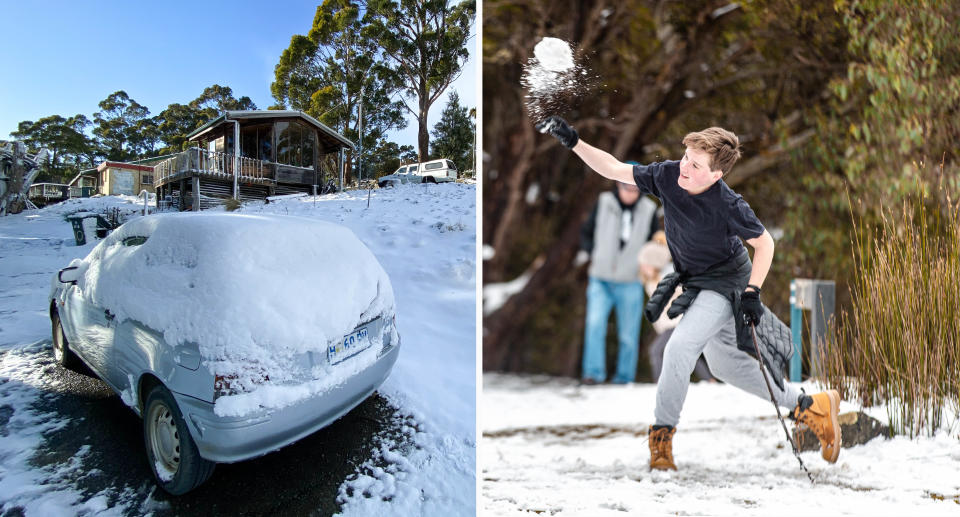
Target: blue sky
64	57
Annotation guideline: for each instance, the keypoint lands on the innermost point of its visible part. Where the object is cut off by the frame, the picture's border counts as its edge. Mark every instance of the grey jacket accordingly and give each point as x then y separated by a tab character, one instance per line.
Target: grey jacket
601	236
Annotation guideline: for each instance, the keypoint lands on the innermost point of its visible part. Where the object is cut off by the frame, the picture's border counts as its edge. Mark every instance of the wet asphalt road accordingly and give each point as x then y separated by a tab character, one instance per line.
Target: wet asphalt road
300	479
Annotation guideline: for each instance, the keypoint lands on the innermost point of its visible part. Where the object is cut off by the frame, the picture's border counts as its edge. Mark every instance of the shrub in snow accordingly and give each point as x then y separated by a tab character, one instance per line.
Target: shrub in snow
900	342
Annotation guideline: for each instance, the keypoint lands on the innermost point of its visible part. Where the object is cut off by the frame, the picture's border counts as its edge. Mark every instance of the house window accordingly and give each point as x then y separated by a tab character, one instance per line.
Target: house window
308	143
215	145
288	136
256	142
295	144
146	179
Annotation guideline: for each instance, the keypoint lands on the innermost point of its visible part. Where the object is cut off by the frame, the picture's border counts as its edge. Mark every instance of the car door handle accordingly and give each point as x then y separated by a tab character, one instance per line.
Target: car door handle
109	314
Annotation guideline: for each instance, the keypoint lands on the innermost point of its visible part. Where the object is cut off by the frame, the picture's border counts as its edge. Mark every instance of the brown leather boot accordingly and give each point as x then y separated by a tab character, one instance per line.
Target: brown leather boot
819	413
661	448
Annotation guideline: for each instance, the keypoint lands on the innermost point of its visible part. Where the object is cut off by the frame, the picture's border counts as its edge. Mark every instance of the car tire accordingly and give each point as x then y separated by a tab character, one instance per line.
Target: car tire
61	348
173	456
429	179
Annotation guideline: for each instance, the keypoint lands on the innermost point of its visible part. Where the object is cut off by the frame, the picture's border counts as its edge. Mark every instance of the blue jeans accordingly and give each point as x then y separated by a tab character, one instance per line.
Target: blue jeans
601	297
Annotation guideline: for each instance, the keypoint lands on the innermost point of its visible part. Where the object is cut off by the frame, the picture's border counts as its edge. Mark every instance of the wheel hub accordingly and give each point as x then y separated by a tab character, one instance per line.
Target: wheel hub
164	439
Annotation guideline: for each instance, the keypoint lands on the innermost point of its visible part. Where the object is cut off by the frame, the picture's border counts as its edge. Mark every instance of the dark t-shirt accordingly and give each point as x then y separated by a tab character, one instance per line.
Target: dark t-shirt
702	230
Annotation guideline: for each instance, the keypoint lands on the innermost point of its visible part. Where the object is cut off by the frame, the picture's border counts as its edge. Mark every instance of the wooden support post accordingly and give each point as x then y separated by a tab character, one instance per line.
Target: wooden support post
181	205
196	193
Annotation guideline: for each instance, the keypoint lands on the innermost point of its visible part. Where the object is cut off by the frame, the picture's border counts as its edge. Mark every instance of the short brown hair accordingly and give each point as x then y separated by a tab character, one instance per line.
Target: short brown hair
722	146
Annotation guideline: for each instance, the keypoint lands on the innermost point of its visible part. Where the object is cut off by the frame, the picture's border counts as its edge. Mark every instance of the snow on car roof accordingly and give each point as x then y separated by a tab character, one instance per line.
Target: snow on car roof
244	287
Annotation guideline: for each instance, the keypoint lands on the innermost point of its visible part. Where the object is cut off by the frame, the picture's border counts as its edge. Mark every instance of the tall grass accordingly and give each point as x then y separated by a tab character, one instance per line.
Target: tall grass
899	344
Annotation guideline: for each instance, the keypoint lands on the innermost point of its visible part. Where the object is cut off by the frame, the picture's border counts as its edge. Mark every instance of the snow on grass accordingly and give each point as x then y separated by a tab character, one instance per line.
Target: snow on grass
553	447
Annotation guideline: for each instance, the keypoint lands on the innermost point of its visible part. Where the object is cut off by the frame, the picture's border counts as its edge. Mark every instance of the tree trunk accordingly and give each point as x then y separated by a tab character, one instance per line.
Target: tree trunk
423	136
423	128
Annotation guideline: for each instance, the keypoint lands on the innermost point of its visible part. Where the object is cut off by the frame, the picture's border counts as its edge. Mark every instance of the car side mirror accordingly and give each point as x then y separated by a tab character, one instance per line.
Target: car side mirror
68	275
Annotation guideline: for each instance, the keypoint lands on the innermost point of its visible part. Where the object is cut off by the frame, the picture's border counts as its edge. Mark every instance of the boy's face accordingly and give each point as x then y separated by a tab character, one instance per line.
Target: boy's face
695	174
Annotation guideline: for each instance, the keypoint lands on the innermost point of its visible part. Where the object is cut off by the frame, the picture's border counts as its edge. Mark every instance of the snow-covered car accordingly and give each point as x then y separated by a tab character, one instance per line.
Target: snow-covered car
230	335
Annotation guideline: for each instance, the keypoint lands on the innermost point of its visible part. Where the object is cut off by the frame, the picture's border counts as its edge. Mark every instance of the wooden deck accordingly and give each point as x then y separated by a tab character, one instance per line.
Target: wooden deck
197	162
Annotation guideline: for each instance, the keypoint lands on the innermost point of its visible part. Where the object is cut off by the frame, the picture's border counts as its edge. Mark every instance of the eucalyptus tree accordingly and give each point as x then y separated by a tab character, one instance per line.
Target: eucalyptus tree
338	76
217	99
179	120
118	126
425	42
70	149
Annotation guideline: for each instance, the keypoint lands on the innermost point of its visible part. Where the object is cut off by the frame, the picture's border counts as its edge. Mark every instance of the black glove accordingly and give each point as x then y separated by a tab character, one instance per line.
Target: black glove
751	307
560	130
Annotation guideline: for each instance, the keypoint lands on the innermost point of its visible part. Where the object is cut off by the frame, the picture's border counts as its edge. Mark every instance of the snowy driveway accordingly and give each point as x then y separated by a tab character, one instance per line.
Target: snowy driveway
78	448
553	447
67	446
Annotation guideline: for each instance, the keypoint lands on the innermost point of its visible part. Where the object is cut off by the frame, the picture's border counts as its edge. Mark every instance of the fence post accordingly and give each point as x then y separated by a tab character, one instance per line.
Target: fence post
819	297
796	334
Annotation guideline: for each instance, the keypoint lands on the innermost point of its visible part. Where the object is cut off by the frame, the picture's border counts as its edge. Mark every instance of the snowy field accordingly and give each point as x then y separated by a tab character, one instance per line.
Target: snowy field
552	447
423	235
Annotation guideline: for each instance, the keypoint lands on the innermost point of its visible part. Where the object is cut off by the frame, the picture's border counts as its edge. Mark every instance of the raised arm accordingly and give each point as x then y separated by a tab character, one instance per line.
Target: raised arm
600	161
604	163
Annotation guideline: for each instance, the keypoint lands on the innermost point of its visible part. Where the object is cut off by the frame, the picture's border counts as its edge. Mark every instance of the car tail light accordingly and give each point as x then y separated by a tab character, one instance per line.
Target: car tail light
224	385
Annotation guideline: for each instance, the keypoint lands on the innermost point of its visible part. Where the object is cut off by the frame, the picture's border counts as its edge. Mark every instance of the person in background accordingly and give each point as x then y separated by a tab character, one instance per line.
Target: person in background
621	222
655	263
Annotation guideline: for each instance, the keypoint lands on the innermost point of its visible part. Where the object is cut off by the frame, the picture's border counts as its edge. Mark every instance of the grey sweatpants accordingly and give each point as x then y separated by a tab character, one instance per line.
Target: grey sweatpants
708	328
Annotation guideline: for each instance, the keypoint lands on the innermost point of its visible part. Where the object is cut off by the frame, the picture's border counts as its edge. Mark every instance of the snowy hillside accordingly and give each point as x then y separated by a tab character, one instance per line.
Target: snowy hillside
552	447
424	237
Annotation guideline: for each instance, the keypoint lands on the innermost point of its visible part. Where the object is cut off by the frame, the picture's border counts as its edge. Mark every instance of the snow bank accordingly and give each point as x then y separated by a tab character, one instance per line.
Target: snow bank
252	290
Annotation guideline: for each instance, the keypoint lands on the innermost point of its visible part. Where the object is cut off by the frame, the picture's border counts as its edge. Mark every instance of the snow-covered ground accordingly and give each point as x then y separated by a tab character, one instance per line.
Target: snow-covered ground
423	235
552	447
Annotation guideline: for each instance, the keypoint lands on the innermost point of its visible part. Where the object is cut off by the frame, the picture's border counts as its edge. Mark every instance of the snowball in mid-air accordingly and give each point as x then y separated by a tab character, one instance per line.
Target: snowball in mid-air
554	54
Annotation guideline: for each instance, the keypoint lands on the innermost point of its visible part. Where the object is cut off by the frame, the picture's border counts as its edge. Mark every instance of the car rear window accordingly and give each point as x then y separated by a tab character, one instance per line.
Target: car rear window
434	165
135	240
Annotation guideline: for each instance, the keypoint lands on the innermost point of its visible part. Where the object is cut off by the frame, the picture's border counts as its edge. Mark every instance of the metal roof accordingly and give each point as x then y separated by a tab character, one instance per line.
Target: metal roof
270	114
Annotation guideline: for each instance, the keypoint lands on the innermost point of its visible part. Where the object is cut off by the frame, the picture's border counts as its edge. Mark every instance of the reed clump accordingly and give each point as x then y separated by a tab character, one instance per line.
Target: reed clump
899	342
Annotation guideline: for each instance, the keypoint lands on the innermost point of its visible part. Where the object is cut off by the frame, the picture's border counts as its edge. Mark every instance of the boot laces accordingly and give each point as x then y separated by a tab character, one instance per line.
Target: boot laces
817	425
662	443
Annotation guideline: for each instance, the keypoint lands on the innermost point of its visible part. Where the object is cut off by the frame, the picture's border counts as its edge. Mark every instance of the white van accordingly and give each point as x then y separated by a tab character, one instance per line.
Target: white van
434	171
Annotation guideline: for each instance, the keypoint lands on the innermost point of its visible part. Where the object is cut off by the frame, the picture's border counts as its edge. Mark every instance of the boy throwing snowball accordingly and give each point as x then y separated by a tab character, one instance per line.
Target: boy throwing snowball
704	220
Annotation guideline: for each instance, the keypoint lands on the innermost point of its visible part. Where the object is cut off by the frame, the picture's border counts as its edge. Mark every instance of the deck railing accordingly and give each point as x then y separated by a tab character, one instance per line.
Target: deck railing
210	163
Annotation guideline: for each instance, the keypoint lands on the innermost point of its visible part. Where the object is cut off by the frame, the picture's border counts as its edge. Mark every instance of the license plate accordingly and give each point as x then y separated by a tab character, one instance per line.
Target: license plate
351	344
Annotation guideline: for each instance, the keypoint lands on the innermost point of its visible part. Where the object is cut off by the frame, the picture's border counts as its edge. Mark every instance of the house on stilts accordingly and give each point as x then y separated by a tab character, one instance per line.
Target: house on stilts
251	155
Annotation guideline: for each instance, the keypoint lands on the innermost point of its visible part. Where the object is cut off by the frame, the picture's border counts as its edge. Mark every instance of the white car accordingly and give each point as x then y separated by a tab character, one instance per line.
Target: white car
434	171
230	335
